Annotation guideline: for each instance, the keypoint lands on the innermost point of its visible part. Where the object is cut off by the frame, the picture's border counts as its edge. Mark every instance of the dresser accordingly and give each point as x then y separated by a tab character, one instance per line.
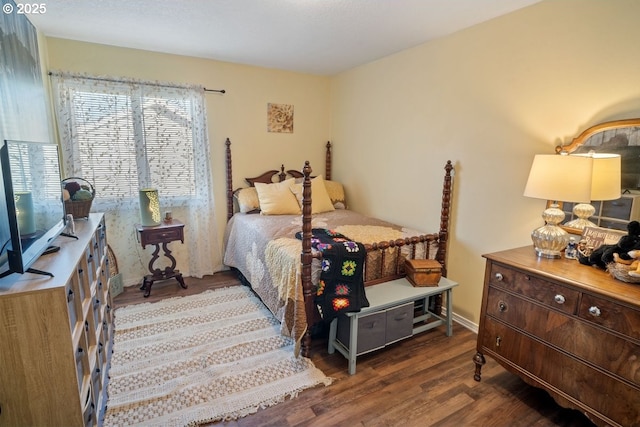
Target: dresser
56	334
567	328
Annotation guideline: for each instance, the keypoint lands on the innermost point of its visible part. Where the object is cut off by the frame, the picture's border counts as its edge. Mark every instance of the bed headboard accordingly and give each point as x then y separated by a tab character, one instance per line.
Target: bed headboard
266	177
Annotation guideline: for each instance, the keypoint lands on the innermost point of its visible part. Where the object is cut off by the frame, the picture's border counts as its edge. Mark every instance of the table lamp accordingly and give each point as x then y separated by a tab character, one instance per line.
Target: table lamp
557	177
605	185
149	207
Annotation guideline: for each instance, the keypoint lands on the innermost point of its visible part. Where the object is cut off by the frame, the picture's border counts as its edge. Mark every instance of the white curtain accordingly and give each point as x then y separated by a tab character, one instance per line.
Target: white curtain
123	135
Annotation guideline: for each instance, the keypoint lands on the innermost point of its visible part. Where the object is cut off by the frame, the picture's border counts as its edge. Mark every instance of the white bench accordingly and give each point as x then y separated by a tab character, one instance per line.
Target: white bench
389	318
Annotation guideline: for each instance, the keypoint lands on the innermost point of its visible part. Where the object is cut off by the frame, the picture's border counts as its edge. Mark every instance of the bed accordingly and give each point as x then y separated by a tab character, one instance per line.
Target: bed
284	270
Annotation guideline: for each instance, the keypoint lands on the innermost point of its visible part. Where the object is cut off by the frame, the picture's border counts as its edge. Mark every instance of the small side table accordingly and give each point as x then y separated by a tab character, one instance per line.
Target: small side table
166	232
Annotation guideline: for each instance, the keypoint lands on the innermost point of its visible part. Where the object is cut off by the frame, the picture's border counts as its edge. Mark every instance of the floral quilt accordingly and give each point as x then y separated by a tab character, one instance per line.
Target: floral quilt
265	250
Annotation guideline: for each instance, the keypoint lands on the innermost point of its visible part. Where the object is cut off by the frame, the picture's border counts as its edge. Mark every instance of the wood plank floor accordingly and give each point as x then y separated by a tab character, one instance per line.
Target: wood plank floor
423	381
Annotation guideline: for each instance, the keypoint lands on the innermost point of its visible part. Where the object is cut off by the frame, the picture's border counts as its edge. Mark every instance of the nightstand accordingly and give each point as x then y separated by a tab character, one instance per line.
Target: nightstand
163	234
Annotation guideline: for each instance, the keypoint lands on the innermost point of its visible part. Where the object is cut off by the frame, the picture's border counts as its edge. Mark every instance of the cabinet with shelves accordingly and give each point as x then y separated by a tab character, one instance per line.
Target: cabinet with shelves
56	333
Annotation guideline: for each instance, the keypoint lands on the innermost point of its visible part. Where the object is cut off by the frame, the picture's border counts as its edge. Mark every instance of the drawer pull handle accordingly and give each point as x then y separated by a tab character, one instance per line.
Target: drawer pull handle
527	277
498	341
559	299
499	277
502	306
594	311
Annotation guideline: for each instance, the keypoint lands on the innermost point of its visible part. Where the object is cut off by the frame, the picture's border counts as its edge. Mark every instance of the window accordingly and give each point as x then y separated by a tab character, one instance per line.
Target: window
123	136
146	139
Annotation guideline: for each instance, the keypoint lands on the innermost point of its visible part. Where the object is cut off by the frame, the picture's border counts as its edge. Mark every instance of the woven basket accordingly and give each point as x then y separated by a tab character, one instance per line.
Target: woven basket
621	272
79	208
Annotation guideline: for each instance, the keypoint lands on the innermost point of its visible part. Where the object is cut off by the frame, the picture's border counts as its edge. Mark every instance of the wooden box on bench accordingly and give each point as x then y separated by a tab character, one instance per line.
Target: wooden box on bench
423	272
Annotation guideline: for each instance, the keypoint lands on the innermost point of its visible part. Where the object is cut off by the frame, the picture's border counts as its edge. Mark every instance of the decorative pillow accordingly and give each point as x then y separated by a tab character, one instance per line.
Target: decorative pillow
336	194
320	200
277	198
247	200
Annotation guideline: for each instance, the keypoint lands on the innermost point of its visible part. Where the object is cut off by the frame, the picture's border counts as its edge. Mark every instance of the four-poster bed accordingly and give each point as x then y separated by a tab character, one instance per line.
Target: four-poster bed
284	271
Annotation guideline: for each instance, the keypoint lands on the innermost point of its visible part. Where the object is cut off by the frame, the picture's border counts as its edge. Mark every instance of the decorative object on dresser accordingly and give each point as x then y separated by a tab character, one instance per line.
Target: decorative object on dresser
555	177
161	234
570	330
56	334
615	137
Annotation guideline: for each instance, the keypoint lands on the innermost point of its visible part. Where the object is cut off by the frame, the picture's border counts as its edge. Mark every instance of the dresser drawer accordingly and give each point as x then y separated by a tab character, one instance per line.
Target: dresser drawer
589	387
617	317
551	294
162	235
568	333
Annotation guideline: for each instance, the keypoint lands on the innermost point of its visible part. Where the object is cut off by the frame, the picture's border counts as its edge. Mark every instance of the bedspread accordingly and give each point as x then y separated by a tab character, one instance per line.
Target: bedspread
264	249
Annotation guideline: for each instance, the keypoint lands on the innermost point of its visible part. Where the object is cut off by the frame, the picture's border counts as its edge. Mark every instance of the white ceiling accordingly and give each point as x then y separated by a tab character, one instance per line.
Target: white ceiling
310	36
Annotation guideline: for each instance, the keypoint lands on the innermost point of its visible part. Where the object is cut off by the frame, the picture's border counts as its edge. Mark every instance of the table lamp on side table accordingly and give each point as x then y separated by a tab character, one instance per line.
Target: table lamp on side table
557	178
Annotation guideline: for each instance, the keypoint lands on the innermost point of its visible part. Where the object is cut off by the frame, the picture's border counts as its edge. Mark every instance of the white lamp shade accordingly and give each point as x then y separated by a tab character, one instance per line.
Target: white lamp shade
606	182
560	178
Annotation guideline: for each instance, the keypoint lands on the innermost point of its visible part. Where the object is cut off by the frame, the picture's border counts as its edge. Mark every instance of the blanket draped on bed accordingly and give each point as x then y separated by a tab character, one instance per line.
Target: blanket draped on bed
341	285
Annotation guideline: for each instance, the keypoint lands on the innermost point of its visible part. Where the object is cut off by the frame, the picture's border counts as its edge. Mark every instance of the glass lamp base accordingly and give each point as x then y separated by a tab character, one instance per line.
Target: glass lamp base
582	211
550	240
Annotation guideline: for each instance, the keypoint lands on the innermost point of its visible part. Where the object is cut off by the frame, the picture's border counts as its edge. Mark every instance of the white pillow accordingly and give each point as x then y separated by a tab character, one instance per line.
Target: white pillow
277	198
247	199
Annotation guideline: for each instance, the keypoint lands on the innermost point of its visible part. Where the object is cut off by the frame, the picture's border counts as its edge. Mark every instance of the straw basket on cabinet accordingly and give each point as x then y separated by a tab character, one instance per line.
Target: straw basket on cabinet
80	196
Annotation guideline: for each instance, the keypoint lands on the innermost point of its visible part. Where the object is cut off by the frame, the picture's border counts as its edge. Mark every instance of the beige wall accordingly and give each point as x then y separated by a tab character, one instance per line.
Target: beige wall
240	114
488	98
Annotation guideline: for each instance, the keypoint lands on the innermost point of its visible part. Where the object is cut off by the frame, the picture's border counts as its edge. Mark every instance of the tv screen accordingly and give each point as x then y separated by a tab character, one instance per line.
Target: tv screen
34	210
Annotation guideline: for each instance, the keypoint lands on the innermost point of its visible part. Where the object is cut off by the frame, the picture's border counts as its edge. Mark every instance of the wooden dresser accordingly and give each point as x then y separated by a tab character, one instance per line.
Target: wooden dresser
56	334
570	329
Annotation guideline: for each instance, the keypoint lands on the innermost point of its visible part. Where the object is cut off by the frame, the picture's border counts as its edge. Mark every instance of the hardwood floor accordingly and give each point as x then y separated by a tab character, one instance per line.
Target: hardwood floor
423	381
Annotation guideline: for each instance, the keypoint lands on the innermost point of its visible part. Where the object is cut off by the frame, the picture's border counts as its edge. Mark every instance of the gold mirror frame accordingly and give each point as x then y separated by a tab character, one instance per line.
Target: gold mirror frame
581	139
618	137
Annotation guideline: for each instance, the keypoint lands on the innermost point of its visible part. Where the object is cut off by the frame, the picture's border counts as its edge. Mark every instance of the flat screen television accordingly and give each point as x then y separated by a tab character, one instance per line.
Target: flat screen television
31	207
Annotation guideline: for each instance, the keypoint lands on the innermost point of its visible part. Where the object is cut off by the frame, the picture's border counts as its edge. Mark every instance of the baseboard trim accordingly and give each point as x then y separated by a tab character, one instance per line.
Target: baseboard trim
462	321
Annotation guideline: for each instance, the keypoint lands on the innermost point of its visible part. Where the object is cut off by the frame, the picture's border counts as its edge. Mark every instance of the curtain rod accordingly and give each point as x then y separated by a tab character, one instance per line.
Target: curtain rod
106	79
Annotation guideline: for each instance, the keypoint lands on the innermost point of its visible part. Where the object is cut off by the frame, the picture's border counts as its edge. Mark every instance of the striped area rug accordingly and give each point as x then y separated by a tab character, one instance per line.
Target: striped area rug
199	359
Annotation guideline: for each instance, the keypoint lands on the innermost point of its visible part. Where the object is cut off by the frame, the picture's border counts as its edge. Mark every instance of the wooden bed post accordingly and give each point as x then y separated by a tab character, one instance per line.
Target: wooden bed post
327	162
306	258
229	180
444	218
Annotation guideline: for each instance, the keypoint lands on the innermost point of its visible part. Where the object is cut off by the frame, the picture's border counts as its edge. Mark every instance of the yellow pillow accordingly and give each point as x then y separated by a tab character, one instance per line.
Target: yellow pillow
336	194
247	199
277	199
320	200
